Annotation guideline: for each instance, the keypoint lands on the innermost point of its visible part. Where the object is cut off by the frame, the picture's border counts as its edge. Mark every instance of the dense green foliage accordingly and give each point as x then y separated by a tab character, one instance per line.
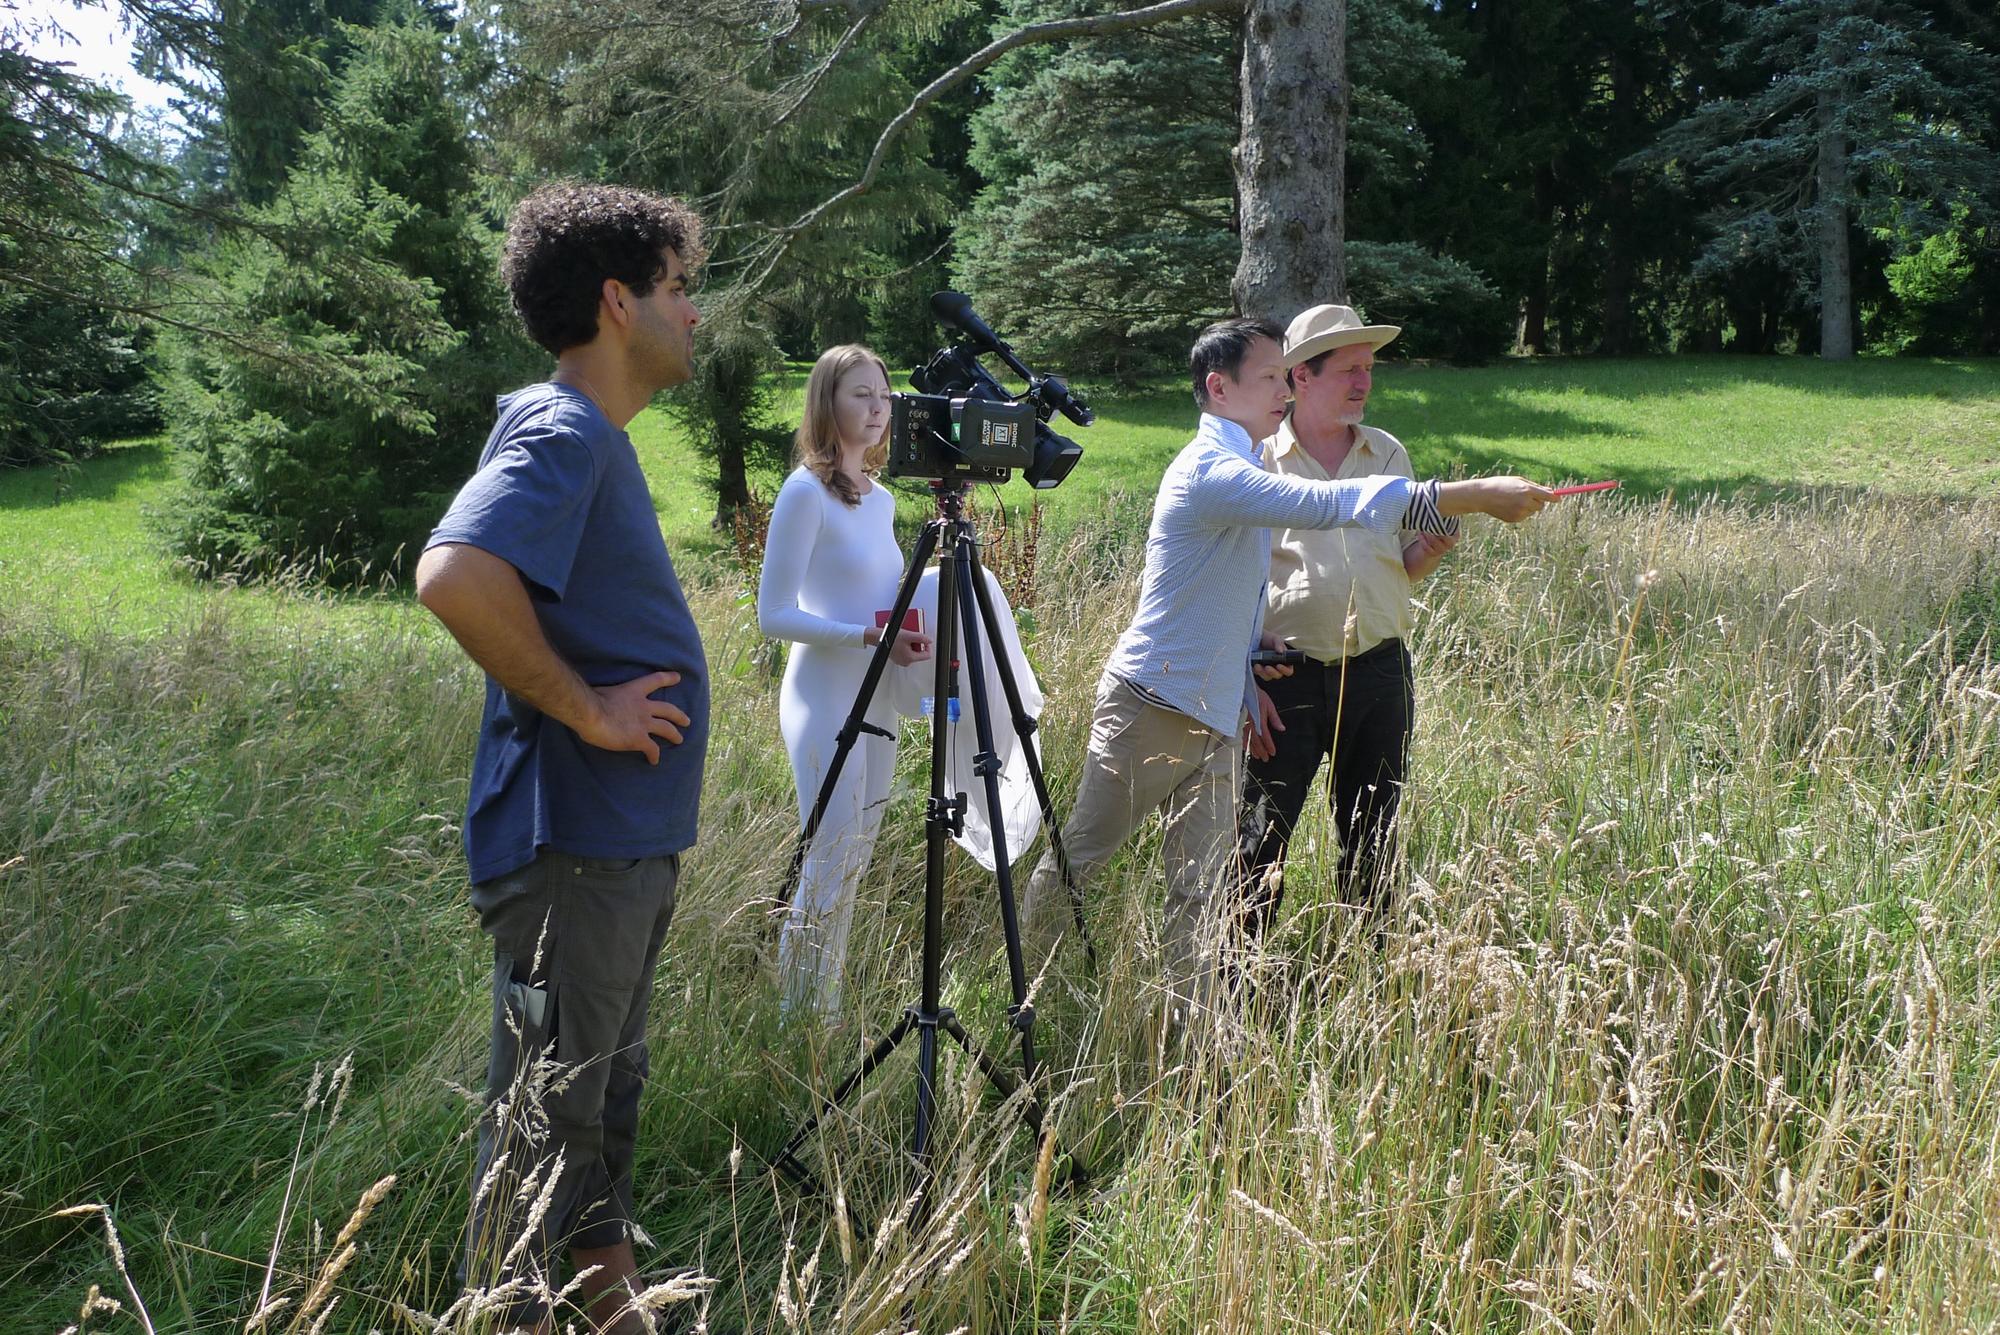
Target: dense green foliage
1901	112
71	378
71	373
1572	177
1104	234
704	107
372	257
273	66
1101	235
1446	308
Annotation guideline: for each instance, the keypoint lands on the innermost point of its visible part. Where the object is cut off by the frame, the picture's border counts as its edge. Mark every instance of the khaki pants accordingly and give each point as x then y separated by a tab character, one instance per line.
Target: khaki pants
1145	758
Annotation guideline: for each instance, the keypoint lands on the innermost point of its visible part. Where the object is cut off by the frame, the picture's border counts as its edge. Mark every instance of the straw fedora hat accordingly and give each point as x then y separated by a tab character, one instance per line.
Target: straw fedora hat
1322	328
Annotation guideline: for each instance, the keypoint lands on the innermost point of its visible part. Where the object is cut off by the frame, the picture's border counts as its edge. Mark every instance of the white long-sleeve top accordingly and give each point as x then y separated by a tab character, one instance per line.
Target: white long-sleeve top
827	571
827	568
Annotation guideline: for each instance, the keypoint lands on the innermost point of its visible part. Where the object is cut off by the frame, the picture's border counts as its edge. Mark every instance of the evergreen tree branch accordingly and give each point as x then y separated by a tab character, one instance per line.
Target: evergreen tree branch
1055	30
805	9
819	72
277	352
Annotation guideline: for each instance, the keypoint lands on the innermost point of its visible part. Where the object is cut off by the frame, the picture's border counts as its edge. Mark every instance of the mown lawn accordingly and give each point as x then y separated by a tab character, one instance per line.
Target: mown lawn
1697	426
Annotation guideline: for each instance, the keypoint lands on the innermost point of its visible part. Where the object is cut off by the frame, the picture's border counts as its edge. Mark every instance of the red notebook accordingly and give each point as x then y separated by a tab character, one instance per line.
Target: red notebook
912	619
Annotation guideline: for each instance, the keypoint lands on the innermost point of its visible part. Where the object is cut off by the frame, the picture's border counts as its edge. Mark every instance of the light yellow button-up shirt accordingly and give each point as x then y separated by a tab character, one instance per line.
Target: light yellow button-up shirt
1338	592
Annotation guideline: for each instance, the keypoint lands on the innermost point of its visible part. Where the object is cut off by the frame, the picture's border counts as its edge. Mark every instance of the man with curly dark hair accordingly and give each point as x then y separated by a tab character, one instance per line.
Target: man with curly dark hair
550	570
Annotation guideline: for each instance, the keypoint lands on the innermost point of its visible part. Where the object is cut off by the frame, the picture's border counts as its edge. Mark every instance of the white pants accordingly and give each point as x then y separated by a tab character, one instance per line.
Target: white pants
819	691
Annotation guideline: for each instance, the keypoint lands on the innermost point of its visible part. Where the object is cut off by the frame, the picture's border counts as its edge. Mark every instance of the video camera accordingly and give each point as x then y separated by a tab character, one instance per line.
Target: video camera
963	426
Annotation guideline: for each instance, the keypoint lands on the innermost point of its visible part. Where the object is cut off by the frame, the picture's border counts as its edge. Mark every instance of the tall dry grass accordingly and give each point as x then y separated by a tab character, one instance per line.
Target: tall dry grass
1685	1019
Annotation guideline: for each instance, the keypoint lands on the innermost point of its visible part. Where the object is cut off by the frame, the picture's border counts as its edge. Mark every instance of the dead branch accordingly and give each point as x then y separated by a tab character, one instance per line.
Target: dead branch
1056	30
812	80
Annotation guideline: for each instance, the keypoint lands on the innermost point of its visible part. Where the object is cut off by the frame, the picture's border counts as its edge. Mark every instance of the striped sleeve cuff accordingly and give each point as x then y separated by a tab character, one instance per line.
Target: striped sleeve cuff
1424	516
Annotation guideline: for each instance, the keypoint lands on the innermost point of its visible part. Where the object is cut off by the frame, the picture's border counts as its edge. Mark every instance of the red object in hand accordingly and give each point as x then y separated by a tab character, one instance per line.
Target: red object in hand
1579	490
913	619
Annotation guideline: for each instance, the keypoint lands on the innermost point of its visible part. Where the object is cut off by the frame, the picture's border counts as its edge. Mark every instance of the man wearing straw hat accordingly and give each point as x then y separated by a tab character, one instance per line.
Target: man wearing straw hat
1342	596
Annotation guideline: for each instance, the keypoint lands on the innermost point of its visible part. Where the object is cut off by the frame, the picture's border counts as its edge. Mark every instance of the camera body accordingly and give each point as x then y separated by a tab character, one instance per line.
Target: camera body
963	426
962	439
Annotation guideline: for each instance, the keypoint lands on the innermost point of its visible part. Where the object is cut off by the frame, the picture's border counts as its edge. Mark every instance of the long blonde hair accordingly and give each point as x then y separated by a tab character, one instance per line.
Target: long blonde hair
817	444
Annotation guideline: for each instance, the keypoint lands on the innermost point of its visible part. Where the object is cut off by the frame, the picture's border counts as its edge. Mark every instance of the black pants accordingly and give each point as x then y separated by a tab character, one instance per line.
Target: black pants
1358	713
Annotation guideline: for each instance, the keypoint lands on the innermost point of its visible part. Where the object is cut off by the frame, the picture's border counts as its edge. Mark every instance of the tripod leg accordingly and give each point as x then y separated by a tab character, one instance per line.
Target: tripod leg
942	815
787	1158
1001	1078
987	766
857	718
1076	1175
972	593
1025	726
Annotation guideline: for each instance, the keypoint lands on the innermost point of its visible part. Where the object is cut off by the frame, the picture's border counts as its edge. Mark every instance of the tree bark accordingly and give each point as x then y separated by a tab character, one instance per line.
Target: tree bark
1291	159
734	373
732	480
1836	277
1535	301
1617	336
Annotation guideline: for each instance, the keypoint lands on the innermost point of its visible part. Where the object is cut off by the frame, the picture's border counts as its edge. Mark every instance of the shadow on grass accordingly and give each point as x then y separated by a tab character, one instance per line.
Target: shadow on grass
1651	483
1645	377
139	466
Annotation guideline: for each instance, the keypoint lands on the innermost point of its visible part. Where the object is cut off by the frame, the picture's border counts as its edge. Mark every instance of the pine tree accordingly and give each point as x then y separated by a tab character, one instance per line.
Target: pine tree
369	335
1852	110
753	126
1107	231
1104	231
70	371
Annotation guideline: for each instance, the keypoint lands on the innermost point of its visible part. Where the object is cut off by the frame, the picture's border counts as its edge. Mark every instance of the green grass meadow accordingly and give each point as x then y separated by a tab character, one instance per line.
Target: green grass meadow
1688	1017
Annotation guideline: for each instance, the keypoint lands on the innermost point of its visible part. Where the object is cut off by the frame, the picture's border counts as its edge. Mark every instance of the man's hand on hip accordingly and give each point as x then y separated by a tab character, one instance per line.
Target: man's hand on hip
484	604
627	718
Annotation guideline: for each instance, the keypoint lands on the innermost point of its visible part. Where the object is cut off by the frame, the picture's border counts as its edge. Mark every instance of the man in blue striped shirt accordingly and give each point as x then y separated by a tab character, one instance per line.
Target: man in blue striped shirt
1178	685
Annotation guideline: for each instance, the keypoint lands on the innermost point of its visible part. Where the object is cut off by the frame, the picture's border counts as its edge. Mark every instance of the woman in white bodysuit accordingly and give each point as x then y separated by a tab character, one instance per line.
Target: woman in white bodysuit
830	563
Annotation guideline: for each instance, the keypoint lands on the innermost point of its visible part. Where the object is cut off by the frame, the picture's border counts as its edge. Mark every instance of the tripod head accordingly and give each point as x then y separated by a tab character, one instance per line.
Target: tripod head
949	494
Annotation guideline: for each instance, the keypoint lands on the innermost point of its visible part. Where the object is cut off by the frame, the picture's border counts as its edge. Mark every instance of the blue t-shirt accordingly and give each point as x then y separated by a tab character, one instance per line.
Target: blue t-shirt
559	496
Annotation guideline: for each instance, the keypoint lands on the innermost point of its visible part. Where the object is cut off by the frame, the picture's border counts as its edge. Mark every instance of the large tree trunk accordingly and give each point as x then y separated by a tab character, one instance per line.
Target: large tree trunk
732	479
1291	159
1535	301
1617	336
1836	278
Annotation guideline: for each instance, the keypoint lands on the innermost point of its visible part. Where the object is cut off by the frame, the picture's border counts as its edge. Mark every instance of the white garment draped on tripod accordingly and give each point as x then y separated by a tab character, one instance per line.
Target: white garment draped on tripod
828	569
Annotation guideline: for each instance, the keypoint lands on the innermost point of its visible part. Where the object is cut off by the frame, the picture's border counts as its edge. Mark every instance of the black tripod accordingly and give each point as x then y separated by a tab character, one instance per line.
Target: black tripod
961	591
